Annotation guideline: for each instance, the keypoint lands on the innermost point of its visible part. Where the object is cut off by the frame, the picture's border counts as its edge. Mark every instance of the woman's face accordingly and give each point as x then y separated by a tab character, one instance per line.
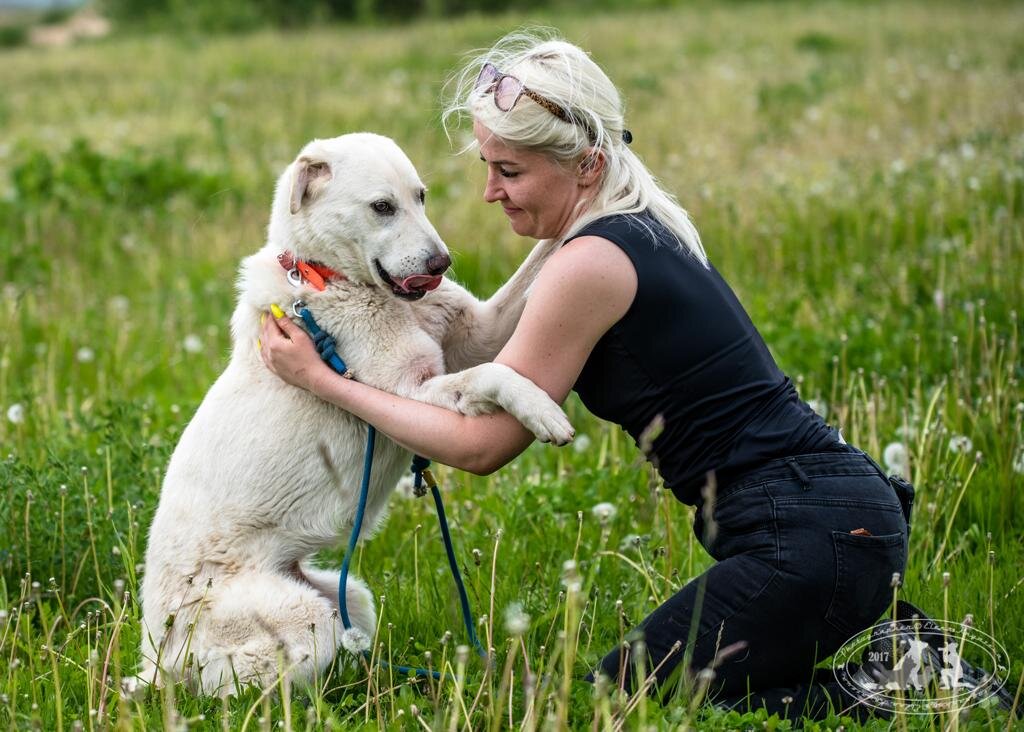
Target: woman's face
537	194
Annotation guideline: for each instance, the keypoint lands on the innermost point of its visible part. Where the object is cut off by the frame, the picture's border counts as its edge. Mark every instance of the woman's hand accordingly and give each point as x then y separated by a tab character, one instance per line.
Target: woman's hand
288	351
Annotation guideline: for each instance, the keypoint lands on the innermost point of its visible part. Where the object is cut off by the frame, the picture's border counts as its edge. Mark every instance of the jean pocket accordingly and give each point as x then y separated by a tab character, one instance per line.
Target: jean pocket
864	569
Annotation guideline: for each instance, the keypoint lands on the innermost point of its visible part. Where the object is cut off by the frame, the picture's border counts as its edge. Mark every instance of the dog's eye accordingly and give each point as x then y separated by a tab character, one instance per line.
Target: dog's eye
384	208
423	195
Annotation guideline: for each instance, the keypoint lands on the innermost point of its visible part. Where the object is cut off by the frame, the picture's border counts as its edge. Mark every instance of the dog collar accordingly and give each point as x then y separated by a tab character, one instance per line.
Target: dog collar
311	272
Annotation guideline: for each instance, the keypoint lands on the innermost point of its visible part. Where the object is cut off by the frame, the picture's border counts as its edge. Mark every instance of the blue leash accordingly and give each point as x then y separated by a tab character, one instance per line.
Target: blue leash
326	348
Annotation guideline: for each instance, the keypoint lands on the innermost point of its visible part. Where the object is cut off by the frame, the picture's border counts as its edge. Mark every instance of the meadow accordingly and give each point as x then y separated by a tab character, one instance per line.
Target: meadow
856	172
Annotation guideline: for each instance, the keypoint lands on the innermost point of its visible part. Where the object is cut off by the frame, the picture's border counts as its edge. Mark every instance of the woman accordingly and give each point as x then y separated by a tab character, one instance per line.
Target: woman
807	531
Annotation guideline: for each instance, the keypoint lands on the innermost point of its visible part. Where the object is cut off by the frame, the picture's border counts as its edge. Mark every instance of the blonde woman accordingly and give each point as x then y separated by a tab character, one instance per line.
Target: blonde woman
630	314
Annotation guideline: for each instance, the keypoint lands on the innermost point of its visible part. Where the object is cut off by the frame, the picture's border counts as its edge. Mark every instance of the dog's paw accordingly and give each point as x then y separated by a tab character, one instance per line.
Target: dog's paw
548	423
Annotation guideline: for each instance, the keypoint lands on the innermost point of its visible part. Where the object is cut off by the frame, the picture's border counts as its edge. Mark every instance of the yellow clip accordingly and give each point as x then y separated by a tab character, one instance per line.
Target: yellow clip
428	478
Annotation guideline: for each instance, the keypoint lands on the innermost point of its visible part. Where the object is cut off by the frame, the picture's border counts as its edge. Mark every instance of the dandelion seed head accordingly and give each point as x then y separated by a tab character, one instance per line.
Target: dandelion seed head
960	443
517	622
1018	462
16	414
897	458
355	641
192	343
604	512
581	443
85	355
119	304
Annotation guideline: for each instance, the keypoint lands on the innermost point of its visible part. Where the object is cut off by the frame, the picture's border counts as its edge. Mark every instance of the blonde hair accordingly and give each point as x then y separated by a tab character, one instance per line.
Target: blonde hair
564	74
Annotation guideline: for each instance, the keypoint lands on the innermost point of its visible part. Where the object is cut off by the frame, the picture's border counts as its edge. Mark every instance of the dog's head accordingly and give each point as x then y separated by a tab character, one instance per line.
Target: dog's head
356	204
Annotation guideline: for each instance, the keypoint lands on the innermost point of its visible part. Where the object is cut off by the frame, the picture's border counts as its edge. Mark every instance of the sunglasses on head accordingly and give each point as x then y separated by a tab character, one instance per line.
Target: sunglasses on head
508	89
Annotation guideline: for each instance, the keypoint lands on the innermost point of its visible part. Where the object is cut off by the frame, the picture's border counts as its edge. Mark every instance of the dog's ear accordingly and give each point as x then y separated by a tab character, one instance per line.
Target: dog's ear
307	179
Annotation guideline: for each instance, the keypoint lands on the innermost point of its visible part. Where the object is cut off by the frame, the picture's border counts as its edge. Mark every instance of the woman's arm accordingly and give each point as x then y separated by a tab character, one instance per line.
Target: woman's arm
581	292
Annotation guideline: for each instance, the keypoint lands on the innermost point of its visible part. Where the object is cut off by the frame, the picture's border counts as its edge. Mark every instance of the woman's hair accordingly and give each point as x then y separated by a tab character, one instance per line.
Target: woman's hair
564	74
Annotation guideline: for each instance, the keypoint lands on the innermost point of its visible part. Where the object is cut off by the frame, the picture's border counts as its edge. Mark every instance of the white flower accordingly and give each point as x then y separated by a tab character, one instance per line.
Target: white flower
85	355
16	414
1018	462
119	304
355	641
960	443
192	343
581	443
819	406
517	622
604	512
897	459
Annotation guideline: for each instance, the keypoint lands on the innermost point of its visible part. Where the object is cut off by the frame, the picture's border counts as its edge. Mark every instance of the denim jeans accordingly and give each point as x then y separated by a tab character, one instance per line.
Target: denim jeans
806	549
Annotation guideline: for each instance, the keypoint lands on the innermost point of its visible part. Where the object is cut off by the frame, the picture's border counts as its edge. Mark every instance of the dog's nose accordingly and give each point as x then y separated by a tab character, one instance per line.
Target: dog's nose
438	263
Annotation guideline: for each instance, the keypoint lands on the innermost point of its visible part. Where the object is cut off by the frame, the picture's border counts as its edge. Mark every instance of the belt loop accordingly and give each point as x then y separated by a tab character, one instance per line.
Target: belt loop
795	467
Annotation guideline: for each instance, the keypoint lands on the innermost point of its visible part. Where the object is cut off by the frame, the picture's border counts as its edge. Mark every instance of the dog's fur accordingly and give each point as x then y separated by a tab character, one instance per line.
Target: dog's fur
266	474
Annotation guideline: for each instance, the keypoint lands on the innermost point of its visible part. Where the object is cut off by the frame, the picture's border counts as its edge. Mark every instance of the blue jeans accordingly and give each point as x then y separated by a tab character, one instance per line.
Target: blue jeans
806	549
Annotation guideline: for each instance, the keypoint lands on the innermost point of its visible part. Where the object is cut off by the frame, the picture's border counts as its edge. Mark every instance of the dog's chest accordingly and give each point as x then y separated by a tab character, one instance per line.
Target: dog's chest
377	336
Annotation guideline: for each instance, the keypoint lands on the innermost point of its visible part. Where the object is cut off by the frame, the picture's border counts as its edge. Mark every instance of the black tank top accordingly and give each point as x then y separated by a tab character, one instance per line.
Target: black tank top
687	351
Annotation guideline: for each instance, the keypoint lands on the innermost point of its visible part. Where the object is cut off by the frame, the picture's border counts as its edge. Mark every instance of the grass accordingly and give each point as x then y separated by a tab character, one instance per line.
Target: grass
856	171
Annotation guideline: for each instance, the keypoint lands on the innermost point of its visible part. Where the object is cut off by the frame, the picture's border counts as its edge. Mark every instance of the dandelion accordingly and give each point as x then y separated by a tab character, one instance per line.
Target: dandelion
629	541
960	443
85	355
517	622
16	414
604	512
119	304
192	343
355	641
819	406
897	459
581	443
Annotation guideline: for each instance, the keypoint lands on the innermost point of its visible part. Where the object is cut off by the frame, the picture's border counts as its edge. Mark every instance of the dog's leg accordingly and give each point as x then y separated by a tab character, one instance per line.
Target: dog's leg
261	626
478	330
358	598
482	388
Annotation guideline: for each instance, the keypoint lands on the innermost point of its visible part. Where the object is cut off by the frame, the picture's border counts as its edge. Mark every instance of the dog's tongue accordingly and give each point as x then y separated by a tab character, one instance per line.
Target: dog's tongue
420	282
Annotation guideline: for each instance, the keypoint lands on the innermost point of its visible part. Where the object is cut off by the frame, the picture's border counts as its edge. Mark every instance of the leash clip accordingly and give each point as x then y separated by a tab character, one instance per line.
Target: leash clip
294	277
297	307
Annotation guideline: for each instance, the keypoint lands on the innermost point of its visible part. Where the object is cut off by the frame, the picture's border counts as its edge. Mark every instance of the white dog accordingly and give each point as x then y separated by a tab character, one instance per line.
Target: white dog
266	474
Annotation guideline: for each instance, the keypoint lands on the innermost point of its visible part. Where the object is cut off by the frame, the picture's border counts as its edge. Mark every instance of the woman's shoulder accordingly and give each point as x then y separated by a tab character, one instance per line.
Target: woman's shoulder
628	230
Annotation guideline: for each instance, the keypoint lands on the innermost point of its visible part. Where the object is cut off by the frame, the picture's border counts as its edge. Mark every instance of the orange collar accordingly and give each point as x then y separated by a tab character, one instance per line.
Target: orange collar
312	272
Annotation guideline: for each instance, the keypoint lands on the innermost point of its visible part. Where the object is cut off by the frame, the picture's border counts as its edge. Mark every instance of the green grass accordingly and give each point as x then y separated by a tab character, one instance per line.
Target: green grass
856	171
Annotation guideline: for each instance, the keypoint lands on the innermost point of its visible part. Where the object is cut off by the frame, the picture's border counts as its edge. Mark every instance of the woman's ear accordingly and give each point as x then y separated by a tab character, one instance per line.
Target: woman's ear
591	167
